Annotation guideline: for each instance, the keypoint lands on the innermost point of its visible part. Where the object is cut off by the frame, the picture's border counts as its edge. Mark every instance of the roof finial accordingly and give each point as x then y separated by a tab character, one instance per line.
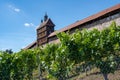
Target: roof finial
46	16
41	21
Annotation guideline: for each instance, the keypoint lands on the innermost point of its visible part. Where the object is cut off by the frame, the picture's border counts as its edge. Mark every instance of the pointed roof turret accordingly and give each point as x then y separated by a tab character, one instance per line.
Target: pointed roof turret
47	22
45	17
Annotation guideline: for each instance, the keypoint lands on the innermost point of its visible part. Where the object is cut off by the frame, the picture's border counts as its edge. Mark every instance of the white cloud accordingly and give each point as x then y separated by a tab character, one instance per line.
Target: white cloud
14	8
17	10
29	25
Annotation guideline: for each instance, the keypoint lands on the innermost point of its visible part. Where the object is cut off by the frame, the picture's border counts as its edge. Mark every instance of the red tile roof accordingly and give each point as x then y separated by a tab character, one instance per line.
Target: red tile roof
90	18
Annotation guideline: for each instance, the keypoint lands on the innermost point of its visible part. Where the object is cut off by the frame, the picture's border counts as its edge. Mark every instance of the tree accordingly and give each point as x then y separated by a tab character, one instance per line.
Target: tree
9	51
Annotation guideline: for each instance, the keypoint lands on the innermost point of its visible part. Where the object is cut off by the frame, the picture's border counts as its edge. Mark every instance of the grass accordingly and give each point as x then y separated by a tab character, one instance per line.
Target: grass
96	75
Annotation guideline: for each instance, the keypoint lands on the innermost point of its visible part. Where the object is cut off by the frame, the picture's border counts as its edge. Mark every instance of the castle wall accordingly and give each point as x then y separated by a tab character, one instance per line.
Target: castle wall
103	23
100	24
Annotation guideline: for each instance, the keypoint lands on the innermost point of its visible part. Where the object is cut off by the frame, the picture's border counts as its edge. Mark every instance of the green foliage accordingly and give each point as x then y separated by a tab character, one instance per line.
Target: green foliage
17	66
56	61
100	48
24	64
5	65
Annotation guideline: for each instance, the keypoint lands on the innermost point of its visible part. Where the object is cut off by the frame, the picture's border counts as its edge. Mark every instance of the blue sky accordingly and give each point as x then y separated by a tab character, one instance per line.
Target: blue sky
19	18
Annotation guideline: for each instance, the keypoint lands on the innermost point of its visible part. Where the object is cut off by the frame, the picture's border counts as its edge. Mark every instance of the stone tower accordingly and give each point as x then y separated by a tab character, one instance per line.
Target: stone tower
45	28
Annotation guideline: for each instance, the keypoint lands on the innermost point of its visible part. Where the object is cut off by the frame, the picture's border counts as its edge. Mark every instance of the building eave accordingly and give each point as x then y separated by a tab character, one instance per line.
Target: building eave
31	45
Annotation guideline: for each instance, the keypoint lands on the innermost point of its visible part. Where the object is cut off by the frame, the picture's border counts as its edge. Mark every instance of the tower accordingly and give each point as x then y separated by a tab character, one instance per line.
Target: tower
45	28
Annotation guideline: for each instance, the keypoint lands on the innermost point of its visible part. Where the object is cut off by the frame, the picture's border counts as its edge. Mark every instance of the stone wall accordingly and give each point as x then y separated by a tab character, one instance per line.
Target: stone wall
105	22
99	24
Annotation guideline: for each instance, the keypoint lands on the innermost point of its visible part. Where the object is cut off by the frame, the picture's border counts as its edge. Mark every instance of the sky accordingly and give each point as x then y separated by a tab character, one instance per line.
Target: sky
20	18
